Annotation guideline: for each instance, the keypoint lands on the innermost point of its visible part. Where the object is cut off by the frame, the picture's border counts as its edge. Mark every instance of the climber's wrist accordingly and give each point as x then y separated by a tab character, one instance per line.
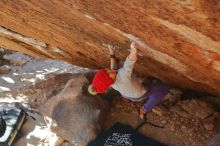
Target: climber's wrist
132	56
112	55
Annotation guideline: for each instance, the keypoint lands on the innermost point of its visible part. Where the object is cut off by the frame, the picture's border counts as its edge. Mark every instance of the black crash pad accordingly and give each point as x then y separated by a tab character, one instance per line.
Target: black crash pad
123	135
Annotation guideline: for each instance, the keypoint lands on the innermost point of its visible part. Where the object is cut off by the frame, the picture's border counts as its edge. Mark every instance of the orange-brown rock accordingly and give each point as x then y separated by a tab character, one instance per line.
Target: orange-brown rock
180	39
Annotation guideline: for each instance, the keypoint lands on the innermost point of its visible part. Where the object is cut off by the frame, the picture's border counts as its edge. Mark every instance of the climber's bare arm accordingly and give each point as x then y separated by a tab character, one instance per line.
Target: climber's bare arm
113	58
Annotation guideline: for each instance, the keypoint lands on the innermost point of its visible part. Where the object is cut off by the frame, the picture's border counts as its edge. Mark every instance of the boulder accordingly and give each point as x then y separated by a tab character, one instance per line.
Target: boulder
76	117
178	110
160	110
172	97
197	108
17	58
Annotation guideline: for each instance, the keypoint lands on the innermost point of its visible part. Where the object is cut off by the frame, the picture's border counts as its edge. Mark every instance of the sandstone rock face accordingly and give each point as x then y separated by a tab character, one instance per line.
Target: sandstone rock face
180	39
76	117
193	108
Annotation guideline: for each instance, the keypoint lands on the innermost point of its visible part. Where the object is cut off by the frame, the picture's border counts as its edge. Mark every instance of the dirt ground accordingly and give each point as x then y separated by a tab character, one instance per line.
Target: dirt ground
39	79
177	131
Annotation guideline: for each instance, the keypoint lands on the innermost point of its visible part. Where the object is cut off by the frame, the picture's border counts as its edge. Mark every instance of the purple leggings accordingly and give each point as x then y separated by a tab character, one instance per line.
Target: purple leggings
155	94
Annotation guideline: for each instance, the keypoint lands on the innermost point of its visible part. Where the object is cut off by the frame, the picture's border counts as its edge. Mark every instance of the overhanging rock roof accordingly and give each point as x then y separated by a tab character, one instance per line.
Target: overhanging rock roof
180	39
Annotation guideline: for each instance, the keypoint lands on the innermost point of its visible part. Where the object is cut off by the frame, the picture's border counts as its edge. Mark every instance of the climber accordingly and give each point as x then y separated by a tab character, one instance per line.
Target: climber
129	87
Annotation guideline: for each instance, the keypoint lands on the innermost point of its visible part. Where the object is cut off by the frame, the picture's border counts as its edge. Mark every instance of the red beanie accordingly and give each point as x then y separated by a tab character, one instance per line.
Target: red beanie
101	81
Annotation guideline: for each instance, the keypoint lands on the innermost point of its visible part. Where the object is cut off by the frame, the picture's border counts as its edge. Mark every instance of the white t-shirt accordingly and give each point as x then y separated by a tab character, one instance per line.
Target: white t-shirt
125	84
